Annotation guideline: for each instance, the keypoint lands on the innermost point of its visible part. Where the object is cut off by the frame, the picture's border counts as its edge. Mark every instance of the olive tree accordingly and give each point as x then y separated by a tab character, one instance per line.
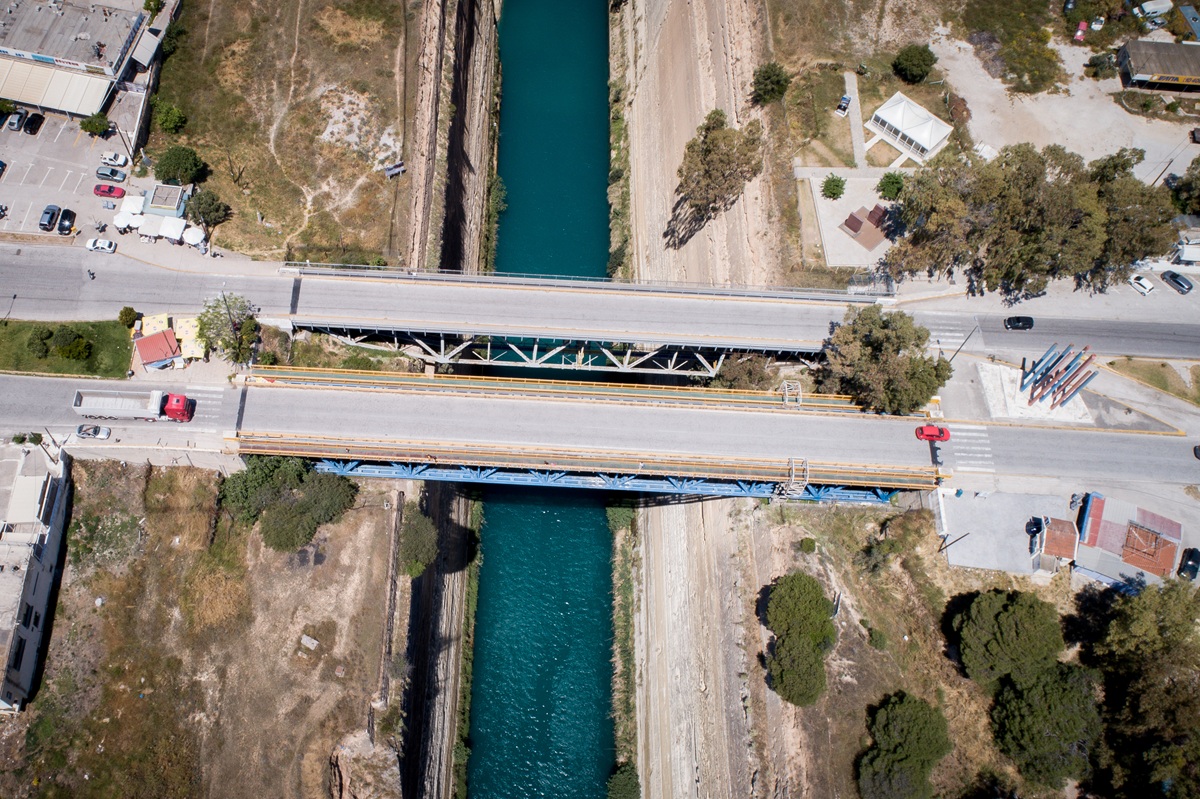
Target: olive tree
227	325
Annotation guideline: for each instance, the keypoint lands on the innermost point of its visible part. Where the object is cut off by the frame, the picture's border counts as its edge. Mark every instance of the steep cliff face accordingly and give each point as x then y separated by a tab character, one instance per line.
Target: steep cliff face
453	143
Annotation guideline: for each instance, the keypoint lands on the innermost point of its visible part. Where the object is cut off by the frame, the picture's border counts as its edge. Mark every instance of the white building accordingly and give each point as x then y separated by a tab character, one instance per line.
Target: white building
910	127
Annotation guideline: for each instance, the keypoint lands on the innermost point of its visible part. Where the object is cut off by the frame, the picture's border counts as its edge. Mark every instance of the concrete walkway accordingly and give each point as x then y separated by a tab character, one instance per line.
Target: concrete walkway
856	120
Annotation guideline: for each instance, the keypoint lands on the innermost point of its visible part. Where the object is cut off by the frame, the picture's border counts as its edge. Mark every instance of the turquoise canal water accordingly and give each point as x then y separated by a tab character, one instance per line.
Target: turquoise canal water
541	692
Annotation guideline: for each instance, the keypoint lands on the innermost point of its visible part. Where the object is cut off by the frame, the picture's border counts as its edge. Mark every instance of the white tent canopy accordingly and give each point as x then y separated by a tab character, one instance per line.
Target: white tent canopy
910	125
151	225
123	220
133	204
172	228
193	235
135	221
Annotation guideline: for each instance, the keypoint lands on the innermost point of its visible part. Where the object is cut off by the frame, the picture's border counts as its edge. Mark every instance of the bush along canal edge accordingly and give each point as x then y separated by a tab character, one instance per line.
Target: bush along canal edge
620	257
622	522
462	747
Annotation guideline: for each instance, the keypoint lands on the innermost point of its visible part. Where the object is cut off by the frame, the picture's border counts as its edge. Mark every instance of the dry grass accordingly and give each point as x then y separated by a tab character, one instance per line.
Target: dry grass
1161	375
882	154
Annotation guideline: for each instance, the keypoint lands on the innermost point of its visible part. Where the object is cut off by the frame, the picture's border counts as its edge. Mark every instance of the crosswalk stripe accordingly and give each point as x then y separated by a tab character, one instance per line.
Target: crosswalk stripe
973	469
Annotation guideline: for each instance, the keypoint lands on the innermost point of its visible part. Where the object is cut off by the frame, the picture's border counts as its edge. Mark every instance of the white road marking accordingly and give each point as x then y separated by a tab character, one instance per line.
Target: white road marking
66	177
974	469
49	169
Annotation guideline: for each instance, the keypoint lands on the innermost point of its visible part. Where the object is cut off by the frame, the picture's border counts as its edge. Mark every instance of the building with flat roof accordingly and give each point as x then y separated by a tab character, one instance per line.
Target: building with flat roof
68	56
1160	65
34	503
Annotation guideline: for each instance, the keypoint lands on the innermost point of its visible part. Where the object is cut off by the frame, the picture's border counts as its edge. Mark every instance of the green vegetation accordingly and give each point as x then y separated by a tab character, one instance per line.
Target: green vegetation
808	545
227	325
620	257
288	499
100	540
624	784
898	536
879	359
833	187
909	737
95	125
747	372
800	616
1150	658
418	541
770	83
622	517
914	63
1027	217
1020	27
462	735
621	514
717	163
1162	376
102	349
1007	634
127	316
496	205
890	185
179	165
169	117
206	209
1048	723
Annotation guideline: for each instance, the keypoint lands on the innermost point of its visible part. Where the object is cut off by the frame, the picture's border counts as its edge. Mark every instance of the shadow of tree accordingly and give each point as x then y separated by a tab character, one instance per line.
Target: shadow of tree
685	222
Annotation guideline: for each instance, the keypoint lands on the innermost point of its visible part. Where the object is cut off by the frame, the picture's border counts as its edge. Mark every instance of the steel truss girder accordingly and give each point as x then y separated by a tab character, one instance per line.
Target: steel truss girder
690	486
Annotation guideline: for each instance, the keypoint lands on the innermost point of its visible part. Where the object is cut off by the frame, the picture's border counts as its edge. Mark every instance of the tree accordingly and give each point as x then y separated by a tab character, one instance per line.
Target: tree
1011	634
179	165
879	359
770	83
225	324
833	187
745	372
170	117
1048	723
1150	657
909	737
624	783
717	163
246	494
96	125
890	185
1187	189
127	316
7	106
799	614
287	499
418	541
914	63
206	209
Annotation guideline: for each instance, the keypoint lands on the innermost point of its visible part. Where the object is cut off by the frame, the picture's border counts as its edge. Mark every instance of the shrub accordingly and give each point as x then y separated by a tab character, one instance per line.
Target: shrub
914	63
37	347
178	165
153	6
797	670
127	316
833	187
876	638
1007	634
624	783
620	516
268	358
808	545
770	83
799	614
19	438
170	117
248	493
96	125
910	737
78	350
418	541
41	332
890	185
63	336
35	438
285	528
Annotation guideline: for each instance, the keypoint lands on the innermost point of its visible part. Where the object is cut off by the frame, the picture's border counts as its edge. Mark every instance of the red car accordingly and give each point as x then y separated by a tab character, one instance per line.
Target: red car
102	190
931	432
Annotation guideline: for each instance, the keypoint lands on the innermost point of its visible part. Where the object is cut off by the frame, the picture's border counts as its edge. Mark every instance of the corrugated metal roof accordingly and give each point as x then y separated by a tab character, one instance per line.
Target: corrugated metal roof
1163	59
44	86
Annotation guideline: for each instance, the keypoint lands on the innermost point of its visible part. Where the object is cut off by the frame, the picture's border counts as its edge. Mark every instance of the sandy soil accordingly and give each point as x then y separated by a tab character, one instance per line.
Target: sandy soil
688	58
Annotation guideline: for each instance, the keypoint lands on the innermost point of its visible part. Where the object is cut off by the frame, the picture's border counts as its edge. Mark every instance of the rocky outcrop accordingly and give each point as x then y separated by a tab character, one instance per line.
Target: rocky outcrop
360	770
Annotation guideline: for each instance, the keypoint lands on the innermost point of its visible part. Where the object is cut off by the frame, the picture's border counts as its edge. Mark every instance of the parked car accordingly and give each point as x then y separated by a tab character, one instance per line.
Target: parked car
3	166
1172	279
1018	323
931	432
1154	23
113	159
49	217
92	431
105	190
66	222
34	124
108	173
1068	7
843	106
1141	285
1189	564
1079	33
1098	23
101	245
17	119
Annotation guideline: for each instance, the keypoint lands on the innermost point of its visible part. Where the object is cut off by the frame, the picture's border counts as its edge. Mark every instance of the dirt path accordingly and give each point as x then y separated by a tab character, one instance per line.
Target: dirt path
687	59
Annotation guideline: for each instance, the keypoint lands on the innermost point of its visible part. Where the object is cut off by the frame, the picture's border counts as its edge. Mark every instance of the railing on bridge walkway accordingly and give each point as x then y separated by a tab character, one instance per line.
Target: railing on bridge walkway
668	473
790	397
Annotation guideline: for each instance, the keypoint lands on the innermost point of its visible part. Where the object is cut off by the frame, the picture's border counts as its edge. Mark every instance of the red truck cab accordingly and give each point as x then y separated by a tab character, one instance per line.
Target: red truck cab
178	408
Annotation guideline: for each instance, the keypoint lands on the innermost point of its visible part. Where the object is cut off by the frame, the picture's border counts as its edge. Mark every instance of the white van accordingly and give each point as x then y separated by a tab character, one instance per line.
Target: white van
1153	8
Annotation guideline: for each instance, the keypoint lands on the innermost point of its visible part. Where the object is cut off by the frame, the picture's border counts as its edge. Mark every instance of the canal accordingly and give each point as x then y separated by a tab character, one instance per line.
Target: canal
541	692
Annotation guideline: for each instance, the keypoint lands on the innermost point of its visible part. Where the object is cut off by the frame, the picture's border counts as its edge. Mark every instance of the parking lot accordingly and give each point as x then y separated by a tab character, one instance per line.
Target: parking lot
55	167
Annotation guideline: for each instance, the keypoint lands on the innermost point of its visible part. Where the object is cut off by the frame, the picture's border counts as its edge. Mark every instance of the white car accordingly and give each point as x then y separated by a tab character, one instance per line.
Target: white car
1141	285
113	159
93	431
101	245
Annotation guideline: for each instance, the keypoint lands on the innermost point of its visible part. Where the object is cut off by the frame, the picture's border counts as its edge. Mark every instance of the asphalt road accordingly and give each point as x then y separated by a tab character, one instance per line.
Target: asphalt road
51	283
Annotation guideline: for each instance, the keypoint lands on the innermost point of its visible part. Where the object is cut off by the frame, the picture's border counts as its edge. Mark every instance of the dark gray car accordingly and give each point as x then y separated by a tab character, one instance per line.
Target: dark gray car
1177	281
108	173
49	217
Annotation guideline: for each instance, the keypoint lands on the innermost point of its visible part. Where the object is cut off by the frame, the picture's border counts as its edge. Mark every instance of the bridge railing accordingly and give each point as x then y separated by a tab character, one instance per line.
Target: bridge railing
863	288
